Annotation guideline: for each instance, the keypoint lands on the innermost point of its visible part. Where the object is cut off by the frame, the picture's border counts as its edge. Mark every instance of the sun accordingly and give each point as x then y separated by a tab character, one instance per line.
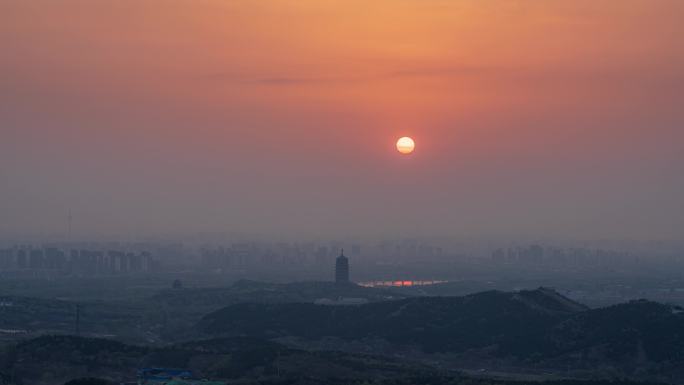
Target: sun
405	145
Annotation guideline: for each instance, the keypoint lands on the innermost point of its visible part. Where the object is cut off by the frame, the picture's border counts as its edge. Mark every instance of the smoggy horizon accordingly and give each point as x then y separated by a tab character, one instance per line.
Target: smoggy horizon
542	119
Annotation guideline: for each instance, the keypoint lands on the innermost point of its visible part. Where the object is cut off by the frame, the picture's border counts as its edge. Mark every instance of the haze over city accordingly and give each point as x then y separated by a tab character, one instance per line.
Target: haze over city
278	119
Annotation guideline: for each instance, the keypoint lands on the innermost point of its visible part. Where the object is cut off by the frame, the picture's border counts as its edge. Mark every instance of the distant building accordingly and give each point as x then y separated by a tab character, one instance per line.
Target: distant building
342	301
342	269
58	259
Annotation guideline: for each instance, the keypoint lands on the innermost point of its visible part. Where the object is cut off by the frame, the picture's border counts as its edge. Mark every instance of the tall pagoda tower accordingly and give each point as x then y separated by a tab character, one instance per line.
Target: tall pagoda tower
342	269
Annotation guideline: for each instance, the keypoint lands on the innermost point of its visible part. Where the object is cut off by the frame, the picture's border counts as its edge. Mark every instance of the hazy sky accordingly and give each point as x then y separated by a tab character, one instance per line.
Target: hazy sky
549	118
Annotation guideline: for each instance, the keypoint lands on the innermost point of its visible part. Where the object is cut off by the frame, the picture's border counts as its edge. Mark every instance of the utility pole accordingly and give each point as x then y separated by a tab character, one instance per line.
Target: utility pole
69	225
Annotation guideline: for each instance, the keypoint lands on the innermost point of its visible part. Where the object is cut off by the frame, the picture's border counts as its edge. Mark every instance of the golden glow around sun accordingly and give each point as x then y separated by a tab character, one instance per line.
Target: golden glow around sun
405	145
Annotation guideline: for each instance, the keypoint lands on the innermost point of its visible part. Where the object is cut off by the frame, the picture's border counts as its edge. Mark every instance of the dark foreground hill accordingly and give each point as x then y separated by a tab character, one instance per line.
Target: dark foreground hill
435	324
185	307
57	359
247	361
522	330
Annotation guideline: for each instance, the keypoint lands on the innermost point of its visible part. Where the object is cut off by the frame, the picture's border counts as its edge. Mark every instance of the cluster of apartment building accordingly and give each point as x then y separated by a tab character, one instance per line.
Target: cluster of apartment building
75	261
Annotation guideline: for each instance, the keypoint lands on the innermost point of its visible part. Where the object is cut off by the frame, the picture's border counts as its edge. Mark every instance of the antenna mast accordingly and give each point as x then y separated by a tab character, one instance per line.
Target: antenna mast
69	225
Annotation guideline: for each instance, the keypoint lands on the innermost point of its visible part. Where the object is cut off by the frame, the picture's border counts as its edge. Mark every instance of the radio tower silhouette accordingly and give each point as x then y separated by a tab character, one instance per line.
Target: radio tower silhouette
69	226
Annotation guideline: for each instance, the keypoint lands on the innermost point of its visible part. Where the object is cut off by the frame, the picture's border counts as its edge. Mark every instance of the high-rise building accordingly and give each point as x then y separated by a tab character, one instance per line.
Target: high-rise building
342	269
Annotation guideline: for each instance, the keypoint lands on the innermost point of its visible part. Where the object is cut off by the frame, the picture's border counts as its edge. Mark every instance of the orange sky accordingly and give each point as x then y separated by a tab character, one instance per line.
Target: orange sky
559	118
